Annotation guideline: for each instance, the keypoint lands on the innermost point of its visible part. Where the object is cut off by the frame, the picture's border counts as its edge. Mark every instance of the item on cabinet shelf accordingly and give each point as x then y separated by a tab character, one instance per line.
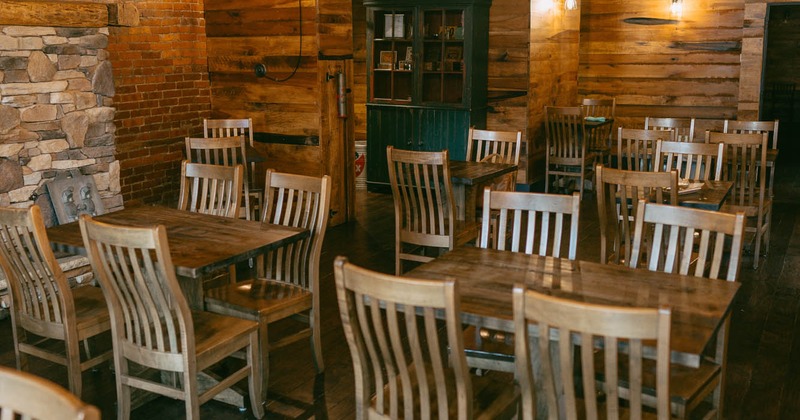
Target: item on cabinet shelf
409	55
453	53
451	32
459	34
394	26
387	59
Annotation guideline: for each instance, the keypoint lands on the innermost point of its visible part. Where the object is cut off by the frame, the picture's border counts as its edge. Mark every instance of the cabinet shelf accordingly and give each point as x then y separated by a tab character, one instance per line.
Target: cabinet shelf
427	84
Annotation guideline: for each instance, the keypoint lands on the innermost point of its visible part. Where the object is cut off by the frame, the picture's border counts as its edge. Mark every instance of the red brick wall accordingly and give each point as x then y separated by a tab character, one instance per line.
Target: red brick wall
162	95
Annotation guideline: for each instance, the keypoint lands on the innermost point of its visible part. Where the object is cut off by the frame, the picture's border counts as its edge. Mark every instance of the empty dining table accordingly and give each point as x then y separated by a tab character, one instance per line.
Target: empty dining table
470	177
200	245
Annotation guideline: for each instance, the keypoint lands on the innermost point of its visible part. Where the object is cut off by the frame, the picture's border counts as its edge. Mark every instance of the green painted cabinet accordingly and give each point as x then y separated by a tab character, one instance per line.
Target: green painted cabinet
427	77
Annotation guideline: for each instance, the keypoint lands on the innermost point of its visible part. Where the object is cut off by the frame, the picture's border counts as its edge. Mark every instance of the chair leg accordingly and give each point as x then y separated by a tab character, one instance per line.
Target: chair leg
123	391
255	386
73	357
316	341
757	249
192	399
263	350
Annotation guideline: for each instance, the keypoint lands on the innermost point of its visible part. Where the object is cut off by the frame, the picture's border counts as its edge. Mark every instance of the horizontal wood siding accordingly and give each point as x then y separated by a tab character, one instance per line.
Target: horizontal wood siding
509	37
685	68
554	38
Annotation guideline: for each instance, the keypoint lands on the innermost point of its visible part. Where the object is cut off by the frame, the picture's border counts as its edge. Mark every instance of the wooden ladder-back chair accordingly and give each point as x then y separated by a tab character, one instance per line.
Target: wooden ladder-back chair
745	163
210	189
599	139
45	310
424	210
27	396
566	154
231	127
497	147
683	127
288	278
225	151
696	161
769	127
698	243
405	365
532	223
579	324
617	193
636	148
152	325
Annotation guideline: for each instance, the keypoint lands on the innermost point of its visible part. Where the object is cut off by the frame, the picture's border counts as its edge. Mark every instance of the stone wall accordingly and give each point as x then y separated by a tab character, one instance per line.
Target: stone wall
56	112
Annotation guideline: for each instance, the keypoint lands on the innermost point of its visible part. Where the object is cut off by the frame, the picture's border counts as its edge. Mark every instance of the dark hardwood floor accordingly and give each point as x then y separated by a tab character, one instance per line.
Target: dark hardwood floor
764	348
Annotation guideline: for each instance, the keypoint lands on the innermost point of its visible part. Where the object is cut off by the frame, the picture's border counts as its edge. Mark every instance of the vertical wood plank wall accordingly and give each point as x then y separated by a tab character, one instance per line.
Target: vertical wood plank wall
690	68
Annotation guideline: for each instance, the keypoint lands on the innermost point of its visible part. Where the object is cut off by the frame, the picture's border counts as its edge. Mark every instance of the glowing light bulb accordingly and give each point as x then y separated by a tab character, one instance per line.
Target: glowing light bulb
676	9
571	4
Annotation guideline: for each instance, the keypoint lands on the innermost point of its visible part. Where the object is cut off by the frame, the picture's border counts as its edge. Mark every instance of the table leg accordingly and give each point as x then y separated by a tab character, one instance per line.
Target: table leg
459	196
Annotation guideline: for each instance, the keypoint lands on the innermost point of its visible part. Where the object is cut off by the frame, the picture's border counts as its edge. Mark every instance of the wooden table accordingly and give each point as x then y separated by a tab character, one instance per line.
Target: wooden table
200	245
710	197
468	178
486	278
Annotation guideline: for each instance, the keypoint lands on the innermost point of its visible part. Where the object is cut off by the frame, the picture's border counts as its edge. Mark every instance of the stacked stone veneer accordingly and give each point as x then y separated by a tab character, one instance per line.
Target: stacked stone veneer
56	114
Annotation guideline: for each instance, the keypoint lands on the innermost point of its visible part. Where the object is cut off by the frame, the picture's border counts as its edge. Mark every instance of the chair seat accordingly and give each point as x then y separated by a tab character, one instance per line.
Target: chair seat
270	300
749	211
685	383
217	335
91	311
494	396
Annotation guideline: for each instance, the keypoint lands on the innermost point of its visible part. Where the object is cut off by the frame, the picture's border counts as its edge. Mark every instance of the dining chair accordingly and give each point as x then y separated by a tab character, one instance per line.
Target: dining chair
152	326
27	396
636	148
48	318
701	125
695	161
746	155
531	223
599	139
700	243
683	127
408	363
566	154
617	193
562	386
424	208
225	151
210	189
232	127
287	282
496	147
769	127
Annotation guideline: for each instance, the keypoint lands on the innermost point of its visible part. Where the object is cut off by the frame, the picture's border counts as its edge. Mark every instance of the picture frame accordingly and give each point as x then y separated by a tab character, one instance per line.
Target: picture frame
453	53
387	59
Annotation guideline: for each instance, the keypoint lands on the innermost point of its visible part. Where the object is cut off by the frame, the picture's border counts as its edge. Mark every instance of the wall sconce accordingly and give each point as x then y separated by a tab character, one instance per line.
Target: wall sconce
676	9
570	4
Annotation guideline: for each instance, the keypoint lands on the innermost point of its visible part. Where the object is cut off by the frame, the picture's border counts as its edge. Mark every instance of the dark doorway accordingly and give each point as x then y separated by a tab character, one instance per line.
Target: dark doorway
781	63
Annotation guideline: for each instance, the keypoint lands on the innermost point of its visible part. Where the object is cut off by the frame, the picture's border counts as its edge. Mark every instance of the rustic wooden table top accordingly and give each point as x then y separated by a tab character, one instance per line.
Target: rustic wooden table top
475	173
199	244
710	197
486	278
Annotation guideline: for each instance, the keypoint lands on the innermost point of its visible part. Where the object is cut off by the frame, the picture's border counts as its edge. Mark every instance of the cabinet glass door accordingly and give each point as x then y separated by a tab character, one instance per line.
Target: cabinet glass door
392	56
443	56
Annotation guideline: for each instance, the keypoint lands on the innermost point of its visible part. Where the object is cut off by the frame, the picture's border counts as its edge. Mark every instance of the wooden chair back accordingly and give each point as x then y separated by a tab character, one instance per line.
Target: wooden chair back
398	350
742	127
636	148
303	202
424	210
618	191
43	304
228	127
152	324
497	147
701	125
745	166
578	324
688	241
530	222
565	131
599	139
697	161
684	127
28	396
226	151
211	189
